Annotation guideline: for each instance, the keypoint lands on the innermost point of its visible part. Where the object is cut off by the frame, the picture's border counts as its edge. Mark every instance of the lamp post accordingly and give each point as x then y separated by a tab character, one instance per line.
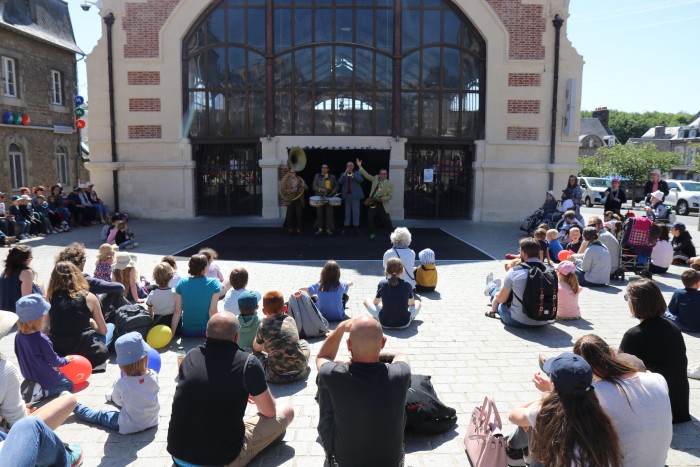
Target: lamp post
558	22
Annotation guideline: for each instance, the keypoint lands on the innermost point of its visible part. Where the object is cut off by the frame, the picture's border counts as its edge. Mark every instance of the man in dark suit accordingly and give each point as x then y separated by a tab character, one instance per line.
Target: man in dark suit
351	192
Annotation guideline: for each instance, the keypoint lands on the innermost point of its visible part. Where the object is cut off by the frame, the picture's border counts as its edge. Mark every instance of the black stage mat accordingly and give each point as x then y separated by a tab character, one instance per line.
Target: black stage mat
272	244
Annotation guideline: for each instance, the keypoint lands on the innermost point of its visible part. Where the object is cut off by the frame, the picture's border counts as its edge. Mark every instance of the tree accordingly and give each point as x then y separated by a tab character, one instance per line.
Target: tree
594	166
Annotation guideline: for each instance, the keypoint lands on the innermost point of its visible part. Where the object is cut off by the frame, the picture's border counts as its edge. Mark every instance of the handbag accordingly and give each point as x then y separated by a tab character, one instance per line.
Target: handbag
484	441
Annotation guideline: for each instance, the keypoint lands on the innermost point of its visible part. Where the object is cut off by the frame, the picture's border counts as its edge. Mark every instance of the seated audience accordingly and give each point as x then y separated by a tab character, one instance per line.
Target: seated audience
17	279
125	273
656	210
161	300
400	240
593	267
330	293
553	246
176	275
426	274
575	240
238	280
124	237
662	254
683	247
569	222
541	235
684	307
549	208
248	319
103	265
608	240
213	269
7	221
196	299
394	306
569	291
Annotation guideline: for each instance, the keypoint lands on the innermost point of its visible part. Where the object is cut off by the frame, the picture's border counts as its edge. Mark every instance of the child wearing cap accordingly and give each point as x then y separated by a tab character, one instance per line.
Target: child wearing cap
136	392
426	274
248	319
569	290
103	265
37	359
161	301
656	211
329	293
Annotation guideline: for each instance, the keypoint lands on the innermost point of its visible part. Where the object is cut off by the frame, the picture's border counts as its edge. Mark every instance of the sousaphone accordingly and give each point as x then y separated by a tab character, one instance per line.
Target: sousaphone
296	160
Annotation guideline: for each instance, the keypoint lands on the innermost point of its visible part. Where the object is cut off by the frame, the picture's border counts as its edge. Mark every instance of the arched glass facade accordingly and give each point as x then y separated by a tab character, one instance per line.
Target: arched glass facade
413	68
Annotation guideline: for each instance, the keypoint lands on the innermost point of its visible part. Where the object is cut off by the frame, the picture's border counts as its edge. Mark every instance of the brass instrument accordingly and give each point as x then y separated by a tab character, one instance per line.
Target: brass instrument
371	203
296	160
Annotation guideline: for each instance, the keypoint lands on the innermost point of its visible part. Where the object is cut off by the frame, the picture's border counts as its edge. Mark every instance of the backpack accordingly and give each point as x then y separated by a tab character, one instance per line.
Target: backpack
539	299
310	321
425	413
130	318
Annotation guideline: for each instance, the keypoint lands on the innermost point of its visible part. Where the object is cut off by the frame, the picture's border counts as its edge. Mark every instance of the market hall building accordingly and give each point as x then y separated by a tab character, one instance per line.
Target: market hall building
455	98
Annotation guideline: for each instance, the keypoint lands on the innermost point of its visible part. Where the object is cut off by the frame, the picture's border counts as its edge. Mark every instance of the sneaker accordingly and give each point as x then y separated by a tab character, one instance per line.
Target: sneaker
489	283
497	283
541	359
371	236
318	232
100	368
129	247
136	244
75	454
329	232
31	391
515	457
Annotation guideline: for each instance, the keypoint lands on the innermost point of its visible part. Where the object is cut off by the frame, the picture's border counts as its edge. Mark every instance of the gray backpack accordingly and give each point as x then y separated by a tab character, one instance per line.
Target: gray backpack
310	322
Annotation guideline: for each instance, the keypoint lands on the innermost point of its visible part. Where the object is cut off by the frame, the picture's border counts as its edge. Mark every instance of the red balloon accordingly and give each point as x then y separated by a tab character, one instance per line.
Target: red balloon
26	120
80	123
78	370
564	255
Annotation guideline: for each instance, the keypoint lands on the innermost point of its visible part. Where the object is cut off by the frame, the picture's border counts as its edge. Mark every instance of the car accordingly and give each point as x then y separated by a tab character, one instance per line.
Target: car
593	189
684	195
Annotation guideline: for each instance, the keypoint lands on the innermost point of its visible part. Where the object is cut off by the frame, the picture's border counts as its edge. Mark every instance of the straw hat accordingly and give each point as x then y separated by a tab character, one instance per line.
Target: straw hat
124	260
7	320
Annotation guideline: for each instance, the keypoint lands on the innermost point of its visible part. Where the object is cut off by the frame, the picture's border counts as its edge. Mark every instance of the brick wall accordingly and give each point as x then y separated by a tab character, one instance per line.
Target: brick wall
523	106
523	133
524	79
143	78
142	24
525	25
144	104
145	132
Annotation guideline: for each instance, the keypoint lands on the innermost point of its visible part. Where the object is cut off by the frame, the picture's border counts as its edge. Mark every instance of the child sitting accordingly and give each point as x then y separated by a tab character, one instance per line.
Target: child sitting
656	211
575	240
329	293
569	222
287	355
124	272
393	306
176	275
684	307
238	278
569	290
213	269
103	266
426	274
161	301
37	360
549	208
553	246
136	392
248	319
540	235
124	237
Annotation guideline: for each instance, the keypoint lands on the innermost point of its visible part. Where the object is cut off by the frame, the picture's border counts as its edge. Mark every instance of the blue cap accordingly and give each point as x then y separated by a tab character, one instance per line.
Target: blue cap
248	299
130	348
31	307
569	373
678	226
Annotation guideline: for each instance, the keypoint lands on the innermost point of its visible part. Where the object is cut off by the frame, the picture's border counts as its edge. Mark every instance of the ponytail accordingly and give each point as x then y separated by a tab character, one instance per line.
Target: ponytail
394	267
393	280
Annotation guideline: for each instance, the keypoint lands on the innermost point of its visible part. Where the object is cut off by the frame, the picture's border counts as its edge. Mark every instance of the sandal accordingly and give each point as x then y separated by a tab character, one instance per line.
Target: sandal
492	314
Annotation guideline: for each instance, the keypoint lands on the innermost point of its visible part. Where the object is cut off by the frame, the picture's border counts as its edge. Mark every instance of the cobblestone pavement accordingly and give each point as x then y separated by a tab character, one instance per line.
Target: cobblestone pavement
467	354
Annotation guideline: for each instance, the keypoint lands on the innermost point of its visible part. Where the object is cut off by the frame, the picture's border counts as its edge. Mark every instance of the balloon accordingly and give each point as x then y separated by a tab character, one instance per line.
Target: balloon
26	120
153	360
564	255
17	118
159	336
79	111
78	370
80	123
7	118
79	100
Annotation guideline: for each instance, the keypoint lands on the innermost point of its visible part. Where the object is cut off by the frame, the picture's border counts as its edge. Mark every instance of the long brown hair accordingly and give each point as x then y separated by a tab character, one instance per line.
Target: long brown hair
330	276
570	279
394	268
573	429
123	276
66	276
16	260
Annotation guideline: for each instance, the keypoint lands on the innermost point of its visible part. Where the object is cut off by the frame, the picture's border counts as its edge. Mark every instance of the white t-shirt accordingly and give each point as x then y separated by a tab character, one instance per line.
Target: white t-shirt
644	423
162	301
175	280
231	300
662	254
408	258
138	398
515	281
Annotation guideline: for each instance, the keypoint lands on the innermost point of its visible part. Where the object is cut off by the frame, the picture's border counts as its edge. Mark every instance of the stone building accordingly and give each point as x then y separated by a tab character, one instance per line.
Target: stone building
38	80
595	132
455	97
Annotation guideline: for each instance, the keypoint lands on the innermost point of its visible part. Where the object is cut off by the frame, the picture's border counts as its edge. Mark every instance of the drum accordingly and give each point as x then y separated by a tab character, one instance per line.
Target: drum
334	201
317	201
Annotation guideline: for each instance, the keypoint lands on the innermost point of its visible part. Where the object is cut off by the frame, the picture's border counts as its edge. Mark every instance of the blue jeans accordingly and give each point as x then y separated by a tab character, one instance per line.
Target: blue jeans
64	385
504	312
583	282
31	443
676	320
126	244
105	418
23	227
106	339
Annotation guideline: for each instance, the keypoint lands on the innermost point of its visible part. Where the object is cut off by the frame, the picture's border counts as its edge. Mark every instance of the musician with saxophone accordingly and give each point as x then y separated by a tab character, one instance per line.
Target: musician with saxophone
351	192
378	200
292	188
326	186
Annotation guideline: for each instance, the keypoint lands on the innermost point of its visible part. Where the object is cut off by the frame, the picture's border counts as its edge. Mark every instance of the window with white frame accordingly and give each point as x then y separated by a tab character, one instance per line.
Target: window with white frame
9	76
56	87
62	165
16	166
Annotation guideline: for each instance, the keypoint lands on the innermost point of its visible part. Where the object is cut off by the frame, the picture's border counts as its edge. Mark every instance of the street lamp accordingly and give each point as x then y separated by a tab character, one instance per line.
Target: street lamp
86	5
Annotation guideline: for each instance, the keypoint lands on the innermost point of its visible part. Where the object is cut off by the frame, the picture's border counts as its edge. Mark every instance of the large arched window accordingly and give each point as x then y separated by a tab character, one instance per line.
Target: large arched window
333	67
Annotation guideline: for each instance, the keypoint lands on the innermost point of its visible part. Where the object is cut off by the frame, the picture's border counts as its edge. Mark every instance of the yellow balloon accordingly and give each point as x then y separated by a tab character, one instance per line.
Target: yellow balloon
159	336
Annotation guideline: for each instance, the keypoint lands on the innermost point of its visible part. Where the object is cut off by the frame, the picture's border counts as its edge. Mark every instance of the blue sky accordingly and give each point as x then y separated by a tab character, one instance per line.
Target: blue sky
639	54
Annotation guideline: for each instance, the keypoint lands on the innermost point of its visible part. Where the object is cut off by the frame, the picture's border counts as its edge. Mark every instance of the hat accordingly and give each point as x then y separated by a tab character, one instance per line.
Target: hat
655	172
615	180
25	198
678	225
566	267
248	299
82	185
31	307
427	256
90	184
124	260
7	320
15	198
551	193
2	194
658	194
569	373
76	188
130	348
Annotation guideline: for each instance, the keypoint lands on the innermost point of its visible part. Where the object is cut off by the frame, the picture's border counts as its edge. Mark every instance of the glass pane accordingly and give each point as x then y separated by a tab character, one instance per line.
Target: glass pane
304	108
384	71
197	114
302	26
283	30
197	40
217	114
385	30
216	27
382	112
343	2
470	115
364	114
256	113
256	2
343	114
431	26
196	71
283	71
236	67
410	32
365	27
411	3
410	71
432	3
431	68
236	114
256	70
450	68
450	114
430	114
324	25
363	69
451	27
256	28
343	25
323	66
236	26
283	113
409	114
216	67
303	68
343	67
470	72
236	2
323	111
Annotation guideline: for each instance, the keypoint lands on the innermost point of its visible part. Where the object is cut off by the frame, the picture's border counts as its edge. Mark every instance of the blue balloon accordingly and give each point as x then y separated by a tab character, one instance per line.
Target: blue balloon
153	359
79	100
7	118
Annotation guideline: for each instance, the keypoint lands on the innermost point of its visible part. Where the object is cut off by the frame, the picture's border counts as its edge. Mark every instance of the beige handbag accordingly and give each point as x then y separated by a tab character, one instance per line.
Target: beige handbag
484	441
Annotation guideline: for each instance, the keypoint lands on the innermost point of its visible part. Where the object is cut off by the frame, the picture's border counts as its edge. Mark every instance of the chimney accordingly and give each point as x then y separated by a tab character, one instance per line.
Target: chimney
602	114
659	132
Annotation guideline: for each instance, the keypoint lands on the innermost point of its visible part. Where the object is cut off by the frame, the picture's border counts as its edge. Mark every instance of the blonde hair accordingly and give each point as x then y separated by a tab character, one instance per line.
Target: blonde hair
138	368
162	274
394	268
31	326
66	276
106	251
570	279
552	233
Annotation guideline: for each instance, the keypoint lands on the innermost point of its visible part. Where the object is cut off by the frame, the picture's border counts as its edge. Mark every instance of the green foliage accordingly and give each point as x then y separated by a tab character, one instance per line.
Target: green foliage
627	125
594	166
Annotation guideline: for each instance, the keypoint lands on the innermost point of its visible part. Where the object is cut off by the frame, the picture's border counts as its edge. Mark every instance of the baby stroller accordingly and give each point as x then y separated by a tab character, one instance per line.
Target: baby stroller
536	218
635	247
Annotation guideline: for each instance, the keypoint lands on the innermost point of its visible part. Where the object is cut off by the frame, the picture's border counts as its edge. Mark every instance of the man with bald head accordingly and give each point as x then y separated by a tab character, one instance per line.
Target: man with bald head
362	401
216	382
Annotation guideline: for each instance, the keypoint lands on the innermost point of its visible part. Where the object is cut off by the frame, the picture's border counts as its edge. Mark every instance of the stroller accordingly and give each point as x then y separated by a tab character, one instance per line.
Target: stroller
635	247
531	222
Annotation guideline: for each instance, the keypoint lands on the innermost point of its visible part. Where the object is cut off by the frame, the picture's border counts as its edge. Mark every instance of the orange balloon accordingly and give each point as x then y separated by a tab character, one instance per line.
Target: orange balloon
78	370
564	255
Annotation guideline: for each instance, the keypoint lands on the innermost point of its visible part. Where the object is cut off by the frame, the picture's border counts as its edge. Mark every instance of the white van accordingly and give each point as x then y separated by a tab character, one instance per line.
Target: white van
593	189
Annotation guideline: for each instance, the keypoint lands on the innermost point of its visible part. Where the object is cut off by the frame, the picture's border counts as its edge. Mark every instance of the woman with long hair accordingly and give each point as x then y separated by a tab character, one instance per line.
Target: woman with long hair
196	299
567	427
636	402
394	305
574	193
330	292
658	343
77	324
17	279
124	272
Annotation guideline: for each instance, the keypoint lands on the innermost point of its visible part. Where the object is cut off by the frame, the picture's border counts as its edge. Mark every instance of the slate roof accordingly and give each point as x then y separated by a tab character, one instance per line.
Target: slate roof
51	22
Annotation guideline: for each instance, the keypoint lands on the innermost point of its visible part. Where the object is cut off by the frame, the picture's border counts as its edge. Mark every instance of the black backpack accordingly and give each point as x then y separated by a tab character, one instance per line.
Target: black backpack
539	299
425	413
130	318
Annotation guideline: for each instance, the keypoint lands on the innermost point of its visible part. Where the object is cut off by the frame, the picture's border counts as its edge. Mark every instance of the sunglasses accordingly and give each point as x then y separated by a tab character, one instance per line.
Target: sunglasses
626	297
